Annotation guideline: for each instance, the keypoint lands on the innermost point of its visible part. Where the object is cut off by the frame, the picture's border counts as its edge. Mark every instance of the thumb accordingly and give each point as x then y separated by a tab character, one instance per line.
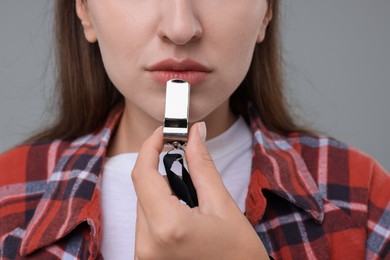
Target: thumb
204	175
197	154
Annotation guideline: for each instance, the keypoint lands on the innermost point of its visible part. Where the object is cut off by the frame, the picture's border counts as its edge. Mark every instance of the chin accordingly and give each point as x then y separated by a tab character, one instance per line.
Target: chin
196	116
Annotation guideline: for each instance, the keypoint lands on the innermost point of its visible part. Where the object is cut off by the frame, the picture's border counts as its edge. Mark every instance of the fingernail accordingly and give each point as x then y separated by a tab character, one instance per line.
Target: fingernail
202	131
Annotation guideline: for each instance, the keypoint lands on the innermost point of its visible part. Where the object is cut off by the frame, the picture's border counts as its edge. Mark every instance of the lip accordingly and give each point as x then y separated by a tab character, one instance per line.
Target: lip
189	70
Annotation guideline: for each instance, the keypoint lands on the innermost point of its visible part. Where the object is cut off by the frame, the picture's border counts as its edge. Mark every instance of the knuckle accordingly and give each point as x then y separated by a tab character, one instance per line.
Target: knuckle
169	234
145	252
134	174
207	160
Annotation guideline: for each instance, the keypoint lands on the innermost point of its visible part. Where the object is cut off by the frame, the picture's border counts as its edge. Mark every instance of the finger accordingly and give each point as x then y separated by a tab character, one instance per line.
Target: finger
204	175
152	190
148	156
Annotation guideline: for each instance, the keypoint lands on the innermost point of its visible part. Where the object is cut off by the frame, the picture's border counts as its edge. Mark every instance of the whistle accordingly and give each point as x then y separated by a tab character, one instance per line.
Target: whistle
177	103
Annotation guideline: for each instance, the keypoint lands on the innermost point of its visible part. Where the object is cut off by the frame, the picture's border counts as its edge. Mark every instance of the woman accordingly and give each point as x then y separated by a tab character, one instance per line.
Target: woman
67	193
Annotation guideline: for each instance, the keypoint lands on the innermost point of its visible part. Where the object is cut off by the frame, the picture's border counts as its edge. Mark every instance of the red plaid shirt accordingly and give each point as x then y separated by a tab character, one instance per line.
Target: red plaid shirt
310	197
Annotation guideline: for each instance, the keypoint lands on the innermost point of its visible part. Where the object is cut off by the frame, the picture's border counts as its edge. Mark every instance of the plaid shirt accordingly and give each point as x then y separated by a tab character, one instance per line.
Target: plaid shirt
310	197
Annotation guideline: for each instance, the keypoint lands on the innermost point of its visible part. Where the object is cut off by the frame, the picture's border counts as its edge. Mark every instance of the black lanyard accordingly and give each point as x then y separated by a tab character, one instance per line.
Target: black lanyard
182	187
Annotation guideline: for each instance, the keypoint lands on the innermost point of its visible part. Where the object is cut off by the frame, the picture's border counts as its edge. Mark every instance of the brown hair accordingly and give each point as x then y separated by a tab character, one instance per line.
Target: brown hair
263	85
86	95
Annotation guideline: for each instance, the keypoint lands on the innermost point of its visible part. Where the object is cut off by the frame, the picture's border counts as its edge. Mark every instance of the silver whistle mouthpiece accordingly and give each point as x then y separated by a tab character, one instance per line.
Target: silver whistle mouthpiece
177	104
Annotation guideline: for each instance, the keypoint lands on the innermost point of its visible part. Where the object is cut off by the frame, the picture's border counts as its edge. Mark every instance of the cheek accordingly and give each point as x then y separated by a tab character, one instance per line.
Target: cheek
115	30
234	39
233	50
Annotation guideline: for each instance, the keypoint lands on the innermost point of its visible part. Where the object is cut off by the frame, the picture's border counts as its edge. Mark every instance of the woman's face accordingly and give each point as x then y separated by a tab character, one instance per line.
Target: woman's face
146	42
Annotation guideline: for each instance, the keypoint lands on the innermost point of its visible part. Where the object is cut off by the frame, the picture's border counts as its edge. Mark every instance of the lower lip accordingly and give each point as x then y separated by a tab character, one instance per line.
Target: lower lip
193	77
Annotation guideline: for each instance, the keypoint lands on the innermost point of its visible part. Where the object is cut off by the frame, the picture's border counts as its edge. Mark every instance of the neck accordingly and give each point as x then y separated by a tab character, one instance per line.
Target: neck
135	127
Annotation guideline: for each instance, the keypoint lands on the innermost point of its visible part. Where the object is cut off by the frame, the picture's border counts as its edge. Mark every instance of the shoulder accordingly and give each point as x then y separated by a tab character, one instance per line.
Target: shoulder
29	161
11	160
326	154
353	185
345	176
24	173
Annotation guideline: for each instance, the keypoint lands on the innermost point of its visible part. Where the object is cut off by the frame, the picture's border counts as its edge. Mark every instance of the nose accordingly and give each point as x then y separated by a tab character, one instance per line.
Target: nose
179	23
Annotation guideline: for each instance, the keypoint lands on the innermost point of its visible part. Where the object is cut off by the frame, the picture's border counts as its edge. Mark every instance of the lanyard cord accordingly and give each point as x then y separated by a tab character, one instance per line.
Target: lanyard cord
182	187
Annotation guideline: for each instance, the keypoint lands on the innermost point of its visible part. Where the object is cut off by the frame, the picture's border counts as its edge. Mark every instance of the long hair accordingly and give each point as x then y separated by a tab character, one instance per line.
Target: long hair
264	86
86	95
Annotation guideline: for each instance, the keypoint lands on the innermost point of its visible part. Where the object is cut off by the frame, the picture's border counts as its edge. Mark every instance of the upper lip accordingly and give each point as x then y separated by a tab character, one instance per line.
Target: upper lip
174	65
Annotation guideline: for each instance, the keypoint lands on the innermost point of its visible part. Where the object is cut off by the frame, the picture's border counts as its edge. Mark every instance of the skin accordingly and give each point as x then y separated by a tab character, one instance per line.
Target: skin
133	35
220	34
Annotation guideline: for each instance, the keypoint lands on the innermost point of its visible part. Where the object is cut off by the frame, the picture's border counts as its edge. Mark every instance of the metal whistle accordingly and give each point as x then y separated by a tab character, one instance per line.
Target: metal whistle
177	104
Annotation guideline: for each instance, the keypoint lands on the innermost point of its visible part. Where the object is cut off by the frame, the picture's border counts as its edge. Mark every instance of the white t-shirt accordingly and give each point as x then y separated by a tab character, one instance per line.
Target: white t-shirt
232	155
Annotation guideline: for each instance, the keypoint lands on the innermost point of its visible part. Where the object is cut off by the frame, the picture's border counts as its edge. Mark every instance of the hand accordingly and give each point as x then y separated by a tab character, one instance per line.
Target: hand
167	229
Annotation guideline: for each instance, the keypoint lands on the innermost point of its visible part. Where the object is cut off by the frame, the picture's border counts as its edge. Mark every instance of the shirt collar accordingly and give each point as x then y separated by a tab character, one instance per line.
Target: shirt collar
279	168
72	194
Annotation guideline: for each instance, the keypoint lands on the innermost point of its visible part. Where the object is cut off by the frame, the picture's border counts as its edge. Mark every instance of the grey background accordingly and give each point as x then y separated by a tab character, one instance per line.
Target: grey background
337	69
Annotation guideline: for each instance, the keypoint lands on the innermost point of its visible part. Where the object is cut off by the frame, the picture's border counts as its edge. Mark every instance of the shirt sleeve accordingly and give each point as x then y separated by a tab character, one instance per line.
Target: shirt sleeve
378	221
